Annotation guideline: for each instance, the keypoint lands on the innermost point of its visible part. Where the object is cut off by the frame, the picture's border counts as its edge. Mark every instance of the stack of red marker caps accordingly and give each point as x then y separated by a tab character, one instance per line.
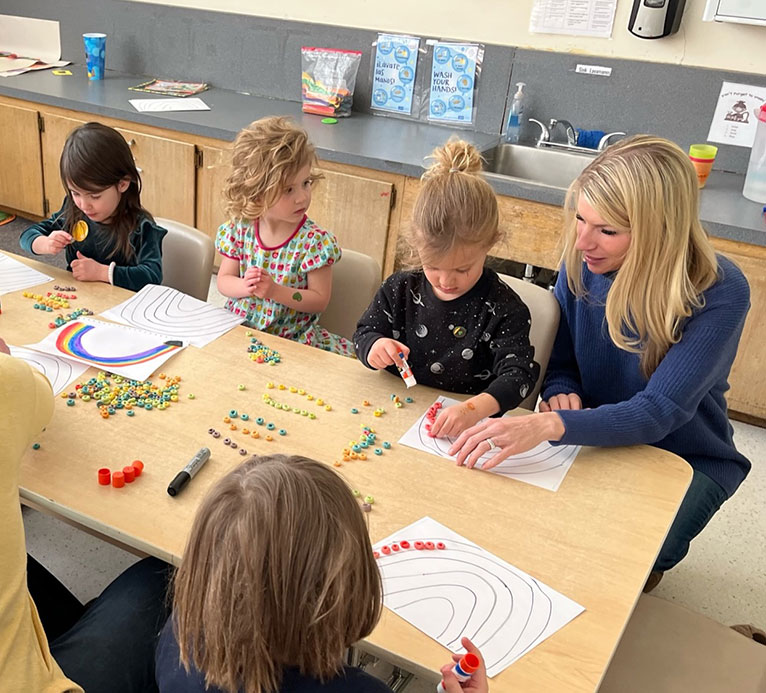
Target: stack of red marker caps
120	478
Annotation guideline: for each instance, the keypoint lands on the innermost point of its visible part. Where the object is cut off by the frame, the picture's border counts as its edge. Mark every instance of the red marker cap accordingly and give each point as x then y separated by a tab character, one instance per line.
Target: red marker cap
118	480
130	474
469	663
104	476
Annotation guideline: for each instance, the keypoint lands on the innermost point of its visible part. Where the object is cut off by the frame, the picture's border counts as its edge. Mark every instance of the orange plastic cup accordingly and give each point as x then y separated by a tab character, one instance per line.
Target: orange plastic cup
702	156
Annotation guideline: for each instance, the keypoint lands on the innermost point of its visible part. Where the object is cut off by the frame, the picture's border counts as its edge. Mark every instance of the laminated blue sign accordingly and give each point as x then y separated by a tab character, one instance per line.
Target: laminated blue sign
393	78
453	82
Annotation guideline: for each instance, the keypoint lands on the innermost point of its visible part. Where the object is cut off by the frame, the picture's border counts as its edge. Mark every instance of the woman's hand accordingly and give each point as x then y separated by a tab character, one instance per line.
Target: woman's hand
511	434
566	401
86	270
385	352
478	683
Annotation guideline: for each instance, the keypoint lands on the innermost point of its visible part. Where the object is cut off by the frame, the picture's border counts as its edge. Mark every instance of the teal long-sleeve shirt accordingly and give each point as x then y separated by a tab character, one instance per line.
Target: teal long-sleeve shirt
681	407
145	267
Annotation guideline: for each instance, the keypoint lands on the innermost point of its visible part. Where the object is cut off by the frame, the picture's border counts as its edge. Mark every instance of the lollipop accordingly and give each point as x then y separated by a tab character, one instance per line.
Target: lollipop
80	231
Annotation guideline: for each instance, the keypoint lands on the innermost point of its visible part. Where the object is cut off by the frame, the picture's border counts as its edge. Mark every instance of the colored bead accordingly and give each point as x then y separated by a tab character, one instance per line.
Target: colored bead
242	451
398	405
70	402
246	431
320	402
130	412
328	408
362	456
336	464
385	550
281	387
216	434
293	389
226	419
240	387
409	400
355	447
244	417
378	451
227	441
233	445
386	445
36	446
233	414
269	438
430	546
312	415
259	421
369	499
232	427
256	434
355	493
270	426
270	386
404	544
190	395
440	545
354	410
282	432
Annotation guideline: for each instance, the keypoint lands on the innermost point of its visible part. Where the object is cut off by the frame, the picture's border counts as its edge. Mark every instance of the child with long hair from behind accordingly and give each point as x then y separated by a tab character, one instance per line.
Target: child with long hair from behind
276	264
106	233
278	580
458	325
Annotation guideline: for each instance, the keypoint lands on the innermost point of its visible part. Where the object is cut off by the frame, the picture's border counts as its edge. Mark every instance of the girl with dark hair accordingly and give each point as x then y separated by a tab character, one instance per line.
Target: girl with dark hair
107	234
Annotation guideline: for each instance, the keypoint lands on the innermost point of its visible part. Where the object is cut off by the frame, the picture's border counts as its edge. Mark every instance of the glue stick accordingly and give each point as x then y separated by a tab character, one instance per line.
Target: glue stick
406	372
463	670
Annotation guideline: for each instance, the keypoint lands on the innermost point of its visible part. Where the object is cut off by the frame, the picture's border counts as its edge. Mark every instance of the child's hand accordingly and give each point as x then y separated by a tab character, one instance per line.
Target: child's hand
259	282
453	420
50	245
478	683
86	270
385	352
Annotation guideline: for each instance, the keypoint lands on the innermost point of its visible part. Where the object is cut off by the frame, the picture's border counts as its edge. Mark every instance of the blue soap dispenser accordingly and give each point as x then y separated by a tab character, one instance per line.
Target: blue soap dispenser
516	114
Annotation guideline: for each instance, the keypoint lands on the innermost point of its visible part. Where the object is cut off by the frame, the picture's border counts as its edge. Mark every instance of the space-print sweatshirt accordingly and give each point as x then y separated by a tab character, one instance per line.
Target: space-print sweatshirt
478	342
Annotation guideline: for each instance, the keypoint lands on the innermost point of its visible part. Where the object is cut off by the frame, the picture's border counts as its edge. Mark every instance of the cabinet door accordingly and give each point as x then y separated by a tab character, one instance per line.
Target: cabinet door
21	181
167	173
55	131
747	397
354	208
210	179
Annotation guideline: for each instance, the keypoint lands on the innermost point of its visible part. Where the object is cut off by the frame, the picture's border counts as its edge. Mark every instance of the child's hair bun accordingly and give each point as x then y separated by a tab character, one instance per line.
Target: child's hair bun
456	156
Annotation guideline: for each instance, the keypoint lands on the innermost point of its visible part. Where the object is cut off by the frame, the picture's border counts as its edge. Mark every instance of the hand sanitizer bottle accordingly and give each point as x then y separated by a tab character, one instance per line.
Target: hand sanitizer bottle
516	114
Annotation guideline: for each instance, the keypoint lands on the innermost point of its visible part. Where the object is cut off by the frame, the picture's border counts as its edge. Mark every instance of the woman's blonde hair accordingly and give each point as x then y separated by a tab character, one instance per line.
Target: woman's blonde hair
646	186
455	206
265	156
278	572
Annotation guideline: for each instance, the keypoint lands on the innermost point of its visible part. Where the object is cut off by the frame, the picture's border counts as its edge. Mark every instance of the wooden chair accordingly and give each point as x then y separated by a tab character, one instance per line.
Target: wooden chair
669	649
545	312
355	279
187	259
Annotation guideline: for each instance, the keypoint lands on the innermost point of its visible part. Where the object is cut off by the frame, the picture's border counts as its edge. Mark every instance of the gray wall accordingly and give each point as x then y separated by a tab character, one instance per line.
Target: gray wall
262	57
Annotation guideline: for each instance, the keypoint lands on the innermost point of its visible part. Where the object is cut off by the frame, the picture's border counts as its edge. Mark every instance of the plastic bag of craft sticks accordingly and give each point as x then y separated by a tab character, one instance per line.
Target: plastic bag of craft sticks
328	79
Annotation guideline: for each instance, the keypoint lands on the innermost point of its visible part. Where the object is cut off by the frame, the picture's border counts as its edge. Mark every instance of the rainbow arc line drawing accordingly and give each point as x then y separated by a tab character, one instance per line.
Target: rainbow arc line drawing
70	343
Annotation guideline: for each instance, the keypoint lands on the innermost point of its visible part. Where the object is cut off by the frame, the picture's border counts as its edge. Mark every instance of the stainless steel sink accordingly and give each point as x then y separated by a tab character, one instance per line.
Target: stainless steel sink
553	167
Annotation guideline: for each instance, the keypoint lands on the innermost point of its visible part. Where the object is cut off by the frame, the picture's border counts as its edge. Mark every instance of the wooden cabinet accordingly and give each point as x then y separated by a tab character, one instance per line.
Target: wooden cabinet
54	133
21	180
747	397
211	176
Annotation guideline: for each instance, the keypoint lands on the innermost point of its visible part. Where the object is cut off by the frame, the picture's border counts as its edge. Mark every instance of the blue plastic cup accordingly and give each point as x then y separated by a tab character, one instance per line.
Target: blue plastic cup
95	54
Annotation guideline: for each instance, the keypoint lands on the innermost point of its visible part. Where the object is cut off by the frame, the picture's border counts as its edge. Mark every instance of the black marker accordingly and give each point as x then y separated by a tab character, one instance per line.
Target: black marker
189	471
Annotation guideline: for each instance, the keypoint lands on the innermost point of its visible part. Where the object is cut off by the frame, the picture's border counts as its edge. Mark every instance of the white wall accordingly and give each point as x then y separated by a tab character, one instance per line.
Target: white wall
506	22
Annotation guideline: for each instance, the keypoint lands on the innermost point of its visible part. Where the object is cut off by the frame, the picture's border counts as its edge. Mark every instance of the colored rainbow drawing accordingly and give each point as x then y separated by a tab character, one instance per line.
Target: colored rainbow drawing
69	343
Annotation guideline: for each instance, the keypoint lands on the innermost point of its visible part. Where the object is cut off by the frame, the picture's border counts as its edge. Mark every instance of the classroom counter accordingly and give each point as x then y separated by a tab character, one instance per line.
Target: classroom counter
384	144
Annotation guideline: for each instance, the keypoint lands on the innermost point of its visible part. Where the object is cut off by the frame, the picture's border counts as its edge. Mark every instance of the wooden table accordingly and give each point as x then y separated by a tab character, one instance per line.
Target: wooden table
594	540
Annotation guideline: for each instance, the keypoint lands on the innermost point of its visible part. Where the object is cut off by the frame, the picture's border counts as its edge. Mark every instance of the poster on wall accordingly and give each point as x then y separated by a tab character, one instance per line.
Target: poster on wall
454	75
573	17
393	77
735	120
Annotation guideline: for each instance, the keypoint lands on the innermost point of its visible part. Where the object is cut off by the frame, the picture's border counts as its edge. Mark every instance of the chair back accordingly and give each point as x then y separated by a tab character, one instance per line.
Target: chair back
355	279
545	312
187	259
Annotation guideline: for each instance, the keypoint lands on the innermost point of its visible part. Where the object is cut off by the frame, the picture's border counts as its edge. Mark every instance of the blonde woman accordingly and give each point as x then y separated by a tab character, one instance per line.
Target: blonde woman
278	580
458	325
276	264
650	323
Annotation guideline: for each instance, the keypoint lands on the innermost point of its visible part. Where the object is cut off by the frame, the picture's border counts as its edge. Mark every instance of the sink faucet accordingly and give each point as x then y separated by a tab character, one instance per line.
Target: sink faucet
571	134
604	141
545	134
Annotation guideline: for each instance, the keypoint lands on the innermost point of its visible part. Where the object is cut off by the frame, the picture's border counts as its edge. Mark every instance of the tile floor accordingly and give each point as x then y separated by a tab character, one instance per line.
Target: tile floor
723	577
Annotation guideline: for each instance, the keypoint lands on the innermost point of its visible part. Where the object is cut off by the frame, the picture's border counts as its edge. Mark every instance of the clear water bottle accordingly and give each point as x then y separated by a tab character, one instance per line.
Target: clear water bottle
755	180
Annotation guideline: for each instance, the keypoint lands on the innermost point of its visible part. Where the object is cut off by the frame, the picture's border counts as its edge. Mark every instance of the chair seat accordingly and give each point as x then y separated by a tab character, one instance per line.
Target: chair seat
669	649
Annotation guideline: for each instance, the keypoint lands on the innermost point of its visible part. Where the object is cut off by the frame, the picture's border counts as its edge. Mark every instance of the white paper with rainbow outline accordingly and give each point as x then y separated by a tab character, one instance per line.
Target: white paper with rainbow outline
60	372
15	275
119	349
464	589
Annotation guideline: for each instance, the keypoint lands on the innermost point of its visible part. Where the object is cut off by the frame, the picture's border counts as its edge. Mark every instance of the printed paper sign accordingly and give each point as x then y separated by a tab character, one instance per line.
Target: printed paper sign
453	78
735	120
393	81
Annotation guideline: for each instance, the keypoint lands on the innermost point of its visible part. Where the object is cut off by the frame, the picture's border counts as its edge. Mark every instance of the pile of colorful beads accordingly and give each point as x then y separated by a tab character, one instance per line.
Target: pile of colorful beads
357	449
405	545
432	413
268	399
50	301
260	353
114	392
65	288
64	319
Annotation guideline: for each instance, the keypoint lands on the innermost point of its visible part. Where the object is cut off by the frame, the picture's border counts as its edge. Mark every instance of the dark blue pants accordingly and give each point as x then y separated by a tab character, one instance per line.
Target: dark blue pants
109	645
702	500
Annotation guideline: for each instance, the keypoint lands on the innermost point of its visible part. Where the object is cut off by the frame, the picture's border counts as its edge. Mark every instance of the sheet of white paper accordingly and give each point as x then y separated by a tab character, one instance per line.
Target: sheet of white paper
31	68
574	17
544	466
15	275
735	120
173	104
60	372
166	310
119	349
30	38
463	589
